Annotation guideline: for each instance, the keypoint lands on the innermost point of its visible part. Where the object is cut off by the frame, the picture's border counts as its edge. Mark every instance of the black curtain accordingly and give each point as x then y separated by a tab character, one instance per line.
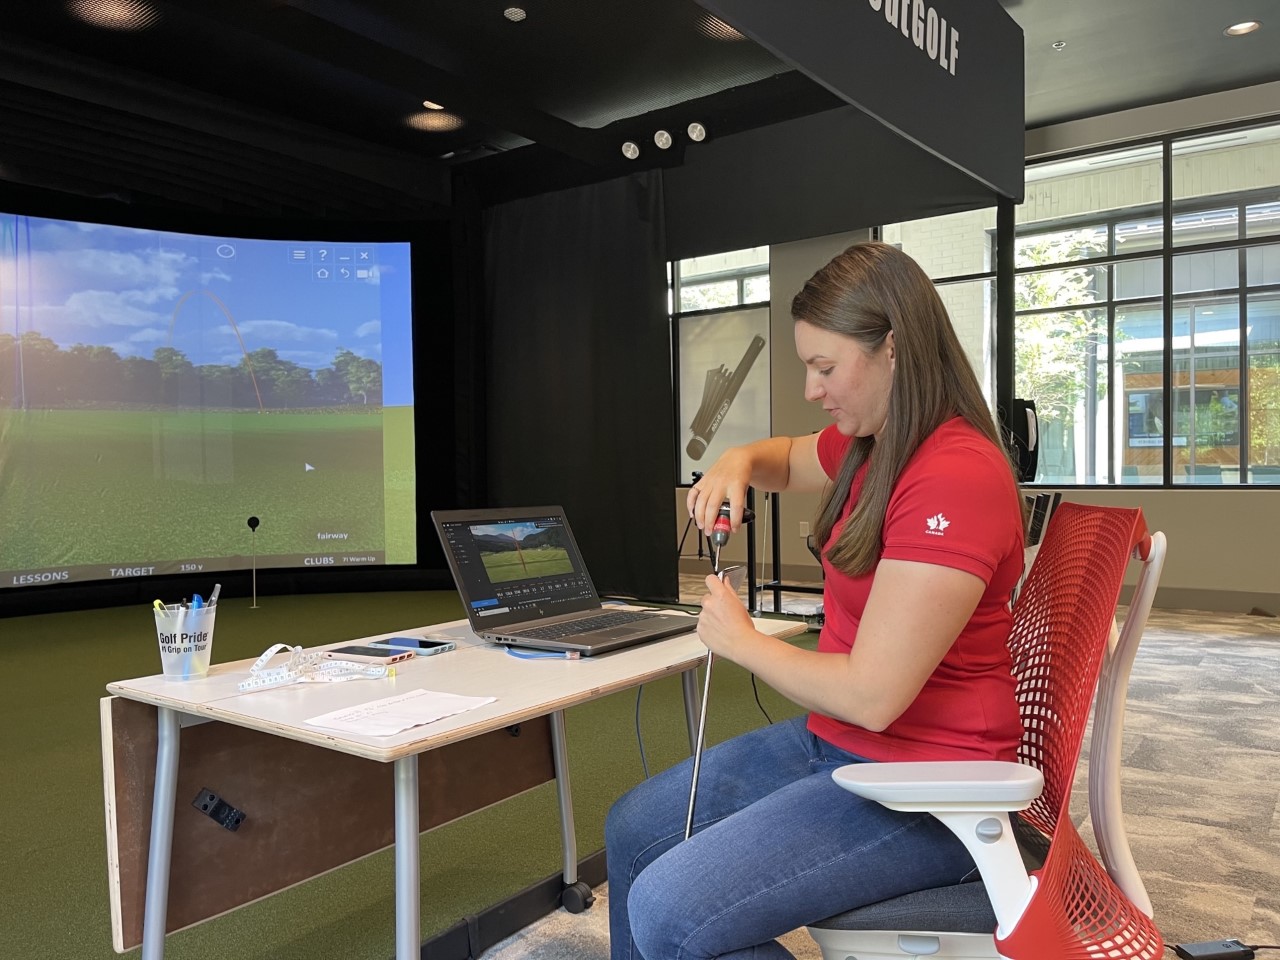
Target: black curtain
578	371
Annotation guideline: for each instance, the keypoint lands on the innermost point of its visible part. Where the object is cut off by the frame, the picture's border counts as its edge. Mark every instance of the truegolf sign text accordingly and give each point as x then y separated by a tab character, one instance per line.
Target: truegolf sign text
921	24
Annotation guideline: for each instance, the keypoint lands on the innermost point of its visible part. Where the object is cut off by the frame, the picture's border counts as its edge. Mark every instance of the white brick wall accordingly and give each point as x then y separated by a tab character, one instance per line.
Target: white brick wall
951	246
1196	173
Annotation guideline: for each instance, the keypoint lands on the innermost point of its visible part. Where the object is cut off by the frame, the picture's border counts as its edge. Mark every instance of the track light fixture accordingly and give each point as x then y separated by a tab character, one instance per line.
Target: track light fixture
664	140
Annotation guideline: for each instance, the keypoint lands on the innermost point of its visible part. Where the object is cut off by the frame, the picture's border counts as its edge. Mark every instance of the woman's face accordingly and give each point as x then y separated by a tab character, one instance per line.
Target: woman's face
851	384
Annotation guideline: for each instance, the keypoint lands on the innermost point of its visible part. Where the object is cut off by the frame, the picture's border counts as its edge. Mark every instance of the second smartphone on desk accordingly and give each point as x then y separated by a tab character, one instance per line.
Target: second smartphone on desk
422	646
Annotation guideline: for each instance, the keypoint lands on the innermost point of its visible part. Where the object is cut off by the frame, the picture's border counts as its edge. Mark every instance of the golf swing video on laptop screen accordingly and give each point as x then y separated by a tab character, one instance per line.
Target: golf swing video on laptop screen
523	582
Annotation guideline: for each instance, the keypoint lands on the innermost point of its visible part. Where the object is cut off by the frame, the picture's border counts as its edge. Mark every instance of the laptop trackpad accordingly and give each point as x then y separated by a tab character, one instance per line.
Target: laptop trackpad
618	633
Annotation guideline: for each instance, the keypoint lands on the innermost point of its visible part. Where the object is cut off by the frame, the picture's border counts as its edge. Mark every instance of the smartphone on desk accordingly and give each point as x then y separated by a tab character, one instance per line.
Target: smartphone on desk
420	646
368	653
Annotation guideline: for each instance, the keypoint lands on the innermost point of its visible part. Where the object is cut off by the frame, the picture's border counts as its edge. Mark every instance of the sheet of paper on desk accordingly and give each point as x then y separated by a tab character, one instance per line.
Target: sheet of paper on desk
390	715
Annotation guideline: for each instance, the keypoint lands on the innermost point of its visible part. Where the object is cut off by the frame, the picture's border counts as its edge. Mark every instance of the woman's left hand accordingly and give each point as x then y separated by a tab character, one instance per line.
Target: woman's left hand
724	620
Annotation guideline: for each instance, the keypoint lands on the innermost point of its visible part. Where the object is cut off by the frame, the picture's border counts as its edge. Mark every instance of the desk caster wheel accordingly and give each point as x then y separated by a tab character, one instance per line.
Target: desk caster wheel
577	897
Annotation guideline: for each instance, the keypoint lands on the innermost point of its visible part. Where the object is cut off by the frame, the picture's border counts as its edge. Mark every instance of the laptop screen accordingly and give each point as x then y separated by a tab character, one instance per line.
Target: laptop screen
512	565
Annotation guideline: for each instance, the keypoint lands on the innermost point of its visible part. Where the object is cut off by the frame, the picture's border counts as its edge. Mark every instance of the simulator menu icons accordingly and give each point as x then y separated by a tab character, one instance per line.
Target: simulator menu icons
331	262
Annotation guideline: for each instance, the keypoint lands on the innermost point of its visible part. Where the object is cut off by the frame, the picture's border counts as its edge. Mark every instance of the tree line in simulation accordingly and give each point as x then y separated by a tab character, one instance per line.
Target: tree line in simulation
36	373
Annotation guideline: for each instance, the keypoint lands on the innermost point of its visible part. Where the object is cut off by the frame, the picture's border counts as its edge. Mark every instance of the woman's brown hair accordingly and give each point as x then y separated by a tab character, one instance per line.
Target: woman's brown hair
866	292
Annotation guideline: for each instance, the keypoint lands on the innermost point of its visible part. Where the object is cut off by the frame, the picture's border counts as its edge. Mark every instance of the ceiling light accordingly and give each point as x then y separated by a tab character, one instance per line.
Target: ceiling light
115	14
431	106
662	139
1240	29
1059	45
631	149
697	132
434	121
717	29
514	14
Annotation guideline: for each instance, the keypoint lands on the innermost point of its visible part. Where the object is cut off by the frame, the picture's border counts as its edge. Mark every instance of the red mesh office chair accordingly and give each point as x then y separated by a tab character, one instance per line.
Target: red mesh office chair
1064	639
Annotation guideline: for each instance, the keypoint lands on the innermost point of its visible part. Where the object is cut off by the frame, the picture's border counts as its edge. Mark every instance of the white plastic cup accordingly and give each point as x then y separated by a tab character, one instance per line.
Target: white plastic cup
186	640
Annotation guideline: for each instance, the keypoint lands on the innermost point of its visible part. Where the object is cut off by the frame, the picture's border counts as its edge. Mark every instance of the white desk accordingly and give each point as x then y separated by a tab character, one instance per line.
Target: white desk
525	689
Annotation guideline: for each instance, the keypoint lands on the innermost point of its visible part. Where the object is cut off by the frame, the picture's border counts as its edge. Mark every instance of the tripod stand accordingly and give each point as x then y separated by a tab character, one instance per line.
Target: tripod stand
704	539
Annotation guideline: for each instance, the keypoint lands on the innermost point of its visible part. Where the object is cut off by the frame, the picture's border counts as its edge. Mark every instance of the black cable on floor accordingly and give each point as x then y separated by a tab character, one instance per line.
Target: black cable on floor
644	763
756	691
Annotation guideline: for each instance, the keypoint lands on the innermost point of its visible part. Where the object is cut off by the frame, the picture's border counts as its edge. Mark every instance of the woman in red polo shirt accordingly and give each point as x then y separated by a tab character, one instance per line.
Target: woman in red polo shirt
922	533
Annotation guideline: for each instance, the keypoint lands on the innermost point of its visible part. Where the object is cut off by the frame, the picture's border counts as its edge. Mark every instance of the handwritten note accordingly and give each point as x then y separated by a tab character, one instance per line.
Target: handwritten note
391	715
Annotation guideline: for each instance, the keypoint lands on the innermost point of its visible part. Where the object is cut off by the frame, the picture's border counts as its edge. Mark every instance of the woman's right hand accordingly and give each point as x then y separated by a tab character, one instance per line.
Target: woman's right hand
726	479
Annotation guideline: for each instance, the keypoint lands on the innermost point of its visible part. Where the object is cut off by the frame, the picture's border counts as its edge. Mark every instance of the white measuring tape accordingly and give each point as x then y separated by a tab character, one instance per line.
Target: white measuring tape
307	666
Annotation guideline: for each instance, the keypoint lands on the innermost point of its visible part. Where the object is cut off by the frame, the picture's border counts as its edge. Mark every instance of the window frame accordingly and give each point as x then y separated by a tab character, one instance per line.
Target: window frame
1167	213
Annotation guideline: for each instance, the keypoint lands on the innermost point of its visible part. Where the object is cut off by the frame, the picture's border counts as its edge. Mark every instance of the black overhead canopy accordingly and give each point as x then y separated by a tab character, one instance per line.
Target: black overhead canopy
314	108
946	75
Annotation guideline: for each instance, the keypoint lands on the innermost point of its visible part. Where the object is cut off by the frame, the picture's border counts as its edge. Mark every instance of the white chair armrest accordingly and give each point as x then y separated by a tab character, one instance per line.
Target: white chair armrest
941	785
972	798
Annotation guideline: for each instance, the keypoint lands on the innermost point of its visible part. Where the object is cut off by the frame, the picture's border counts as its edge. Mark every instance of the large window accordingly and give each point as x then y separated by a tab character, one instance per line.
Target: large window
1135	383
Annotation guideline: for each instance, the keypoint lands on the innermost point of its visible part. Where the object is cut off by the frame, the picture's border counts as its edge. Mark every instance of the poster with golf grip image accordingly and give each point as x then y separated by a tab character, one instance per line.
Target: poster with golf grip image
717	396
724	384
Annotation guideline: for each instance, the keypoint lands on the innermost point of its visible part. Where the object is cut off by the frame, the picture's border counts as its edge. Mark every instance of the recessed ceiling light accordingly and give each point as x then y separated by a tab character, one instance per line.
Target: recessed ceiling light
434	121
1059	45
662	139
115	14
431	106
717	29
1240	29
697	132
514	14
631	150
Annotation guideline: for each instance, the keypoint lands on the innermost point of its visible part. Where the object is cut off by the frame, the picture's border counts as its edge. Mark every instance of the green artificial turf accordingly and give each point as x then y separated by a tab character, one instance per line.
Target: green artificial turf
53	886
193	476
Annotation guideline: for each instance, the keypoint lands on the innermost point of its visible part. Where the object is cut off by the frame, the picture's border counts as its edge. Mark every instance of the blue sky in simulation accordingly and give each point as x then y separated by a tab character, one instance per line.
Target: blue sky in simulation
517	531
136	290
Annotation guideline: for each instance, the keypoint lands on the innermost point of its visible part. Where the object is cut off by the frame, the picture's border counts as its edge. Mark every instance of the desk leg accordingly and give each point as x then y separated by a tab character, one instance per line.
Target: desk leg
156	907
577	895
689	683
408	887
560	755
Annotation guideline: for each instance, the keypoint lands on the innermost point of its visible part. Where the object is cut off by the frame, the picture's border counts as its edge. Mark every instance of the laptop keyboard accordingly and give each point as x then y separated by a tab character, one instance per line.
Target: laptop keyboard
573	628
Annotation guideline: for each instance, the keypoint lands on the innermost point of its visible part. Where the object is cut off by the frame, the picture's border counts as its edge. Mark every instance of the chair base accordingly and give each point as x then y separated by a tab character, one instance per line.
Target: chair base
903	945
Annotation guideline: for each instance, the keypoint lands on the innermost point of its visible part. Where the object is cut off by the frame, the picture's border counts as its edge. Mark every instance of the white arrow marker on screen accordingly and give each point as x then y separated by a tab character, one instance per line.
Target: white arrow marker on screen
309	467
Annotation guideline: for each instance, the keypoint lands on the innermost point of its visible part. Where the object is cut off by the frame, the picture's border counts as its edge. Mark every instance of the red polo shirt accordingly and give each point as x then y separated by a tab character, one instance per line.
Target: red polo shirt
955	504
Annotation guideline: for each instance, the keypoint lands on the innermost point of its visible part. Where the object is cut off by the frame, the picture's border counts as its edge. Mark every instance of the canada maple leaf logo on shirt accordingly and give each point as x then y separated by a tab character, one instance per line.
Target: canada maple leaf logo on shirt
937	524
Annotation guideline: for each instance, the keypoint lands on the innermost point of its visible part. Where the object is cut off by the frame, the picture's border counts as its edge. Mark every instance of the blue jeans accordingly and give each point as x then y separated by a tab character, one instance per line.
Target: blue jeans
776	845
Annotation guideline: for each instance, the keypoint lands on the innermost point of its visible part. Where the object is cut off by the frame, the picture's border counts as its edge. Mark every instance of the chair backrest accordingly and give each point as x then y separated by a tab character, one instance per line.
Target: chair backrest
1063	627
1062	622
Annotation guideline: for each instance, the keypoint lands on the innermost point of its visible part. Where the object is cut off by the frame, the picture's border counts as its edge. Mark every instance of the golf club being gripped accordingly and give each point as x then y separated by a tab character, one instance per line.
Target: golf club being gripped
733	576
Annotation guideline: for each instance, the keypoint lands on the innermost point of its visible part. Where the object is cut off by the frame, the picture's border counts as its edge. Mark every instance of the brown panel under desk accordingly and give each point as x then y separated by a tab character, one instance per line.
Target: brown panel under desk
290	793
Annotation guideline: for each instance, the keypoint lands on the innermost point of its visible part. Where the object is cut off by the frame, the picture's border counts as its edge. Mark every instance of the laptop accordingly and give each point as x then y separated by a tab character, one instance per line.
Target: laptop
523	583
